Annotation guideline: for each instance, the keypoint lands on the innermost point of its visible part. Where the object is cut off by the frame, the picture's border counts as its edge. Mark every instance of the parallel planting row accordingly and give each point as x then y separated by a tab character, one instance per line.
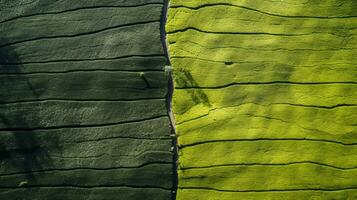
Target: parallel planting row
265	98
83	112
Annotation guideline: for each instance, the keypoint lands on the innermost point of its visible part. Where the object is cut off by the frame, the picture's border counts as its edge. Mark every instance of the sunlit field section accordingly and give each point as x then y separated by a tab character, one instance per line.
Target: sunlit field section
265	98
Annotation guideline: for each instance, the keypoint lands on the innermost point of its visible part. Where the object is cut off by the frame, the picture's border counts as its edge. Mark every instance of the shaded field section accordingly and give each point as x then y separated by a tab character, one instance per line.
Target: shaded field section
83	110
265	98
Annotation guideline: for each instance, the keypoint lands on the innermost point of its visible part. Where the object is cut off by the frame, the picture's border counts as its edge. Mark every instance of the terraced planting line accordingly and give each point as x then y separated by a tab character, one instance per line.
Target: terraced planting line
259	11
84	101
77	9
78	34
82	60
265	98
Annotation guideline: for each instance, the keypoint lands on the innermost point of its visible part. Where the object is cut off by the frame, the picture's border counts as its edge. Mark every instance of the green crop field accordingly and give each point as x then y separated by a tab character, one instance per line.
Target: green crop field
178	99
265	98
83	110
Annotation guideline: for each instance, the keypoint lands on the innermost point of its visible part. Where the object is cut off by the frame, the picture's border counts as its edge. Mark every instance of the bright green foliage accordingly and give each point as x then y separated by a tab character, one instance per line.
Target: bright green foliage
265	98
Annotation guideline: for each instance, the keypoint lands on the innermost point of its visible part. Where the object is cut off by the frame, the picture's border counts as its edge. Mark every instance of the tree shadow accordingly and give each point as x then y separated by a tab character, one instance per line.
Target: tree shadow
20	150
184	77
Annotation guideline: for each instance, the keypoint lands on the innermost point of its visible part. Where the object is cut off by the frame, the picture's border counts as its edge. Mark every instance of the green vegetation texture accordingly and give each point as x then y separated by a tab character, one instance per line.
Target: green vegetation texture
83	110
265	98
